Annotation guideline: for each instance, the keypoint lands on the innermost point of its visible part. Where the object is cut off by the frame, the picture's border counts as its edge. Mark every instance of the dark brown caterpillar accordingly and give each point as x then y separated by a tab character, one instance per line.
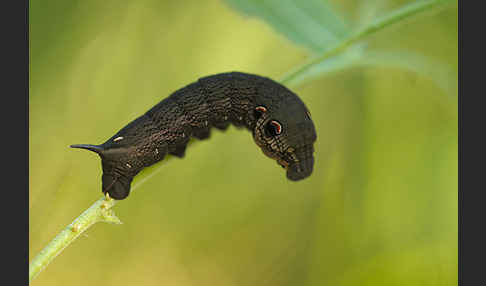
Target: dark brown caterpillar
279	120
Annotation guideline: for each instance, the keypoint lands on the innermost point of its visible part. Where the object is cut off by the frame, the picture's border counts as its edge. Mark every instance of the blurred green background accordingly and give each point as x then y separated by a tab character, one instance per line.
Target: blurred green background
379	209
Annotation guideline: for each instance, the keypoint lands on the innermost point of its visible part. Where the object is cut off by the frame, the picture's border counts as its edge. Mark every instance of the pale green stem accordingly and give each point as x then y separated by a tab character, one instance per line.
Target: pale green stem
101	209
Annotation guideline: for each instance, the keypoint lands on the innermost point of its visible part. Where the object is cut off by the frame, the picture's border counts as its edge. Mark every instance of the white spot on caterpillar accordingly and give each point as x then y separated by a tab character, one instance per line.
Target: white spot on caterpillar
156	151
117	139
128	165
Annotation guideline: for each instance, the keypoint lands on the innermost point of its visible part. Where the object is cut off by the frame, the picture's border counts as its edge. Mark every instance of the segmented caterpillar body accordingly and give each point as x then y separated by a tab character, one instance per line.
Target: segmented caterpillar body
279	121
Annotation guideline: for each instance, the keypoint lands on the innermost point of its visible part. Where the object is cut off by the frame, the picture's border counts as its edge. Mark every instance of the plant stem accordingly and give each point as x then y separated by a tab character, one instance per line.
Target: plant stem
291	78
101	209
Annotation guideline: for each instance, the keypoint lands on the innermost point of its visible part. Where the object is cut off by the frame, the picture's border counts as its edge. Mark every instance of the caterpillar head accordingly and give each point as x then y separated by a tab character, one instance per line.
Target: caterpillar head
117	173
287	134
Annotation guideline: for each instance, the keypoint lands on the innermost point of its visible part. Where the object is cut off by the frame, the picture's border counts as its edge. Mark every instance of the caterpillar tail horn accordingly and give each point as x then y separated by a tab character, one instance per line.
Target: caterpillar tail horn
95	148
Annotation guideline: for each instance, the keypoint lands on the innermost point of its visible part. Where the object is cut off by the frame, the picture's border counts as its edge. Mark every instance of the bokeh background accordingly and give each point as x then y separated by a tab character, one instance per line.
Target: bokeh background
379	209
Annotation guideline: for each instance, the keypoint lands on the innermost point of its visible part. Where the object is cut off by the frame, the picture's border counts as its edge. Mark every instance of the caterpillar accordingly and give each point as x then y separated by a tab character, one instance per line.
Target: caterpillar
278	119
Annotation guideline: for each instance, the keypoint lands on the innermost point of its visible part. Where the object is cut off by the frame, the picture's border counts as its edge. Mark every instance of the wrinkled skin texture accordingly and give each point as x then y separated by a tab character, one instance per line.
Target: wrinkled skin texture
279	121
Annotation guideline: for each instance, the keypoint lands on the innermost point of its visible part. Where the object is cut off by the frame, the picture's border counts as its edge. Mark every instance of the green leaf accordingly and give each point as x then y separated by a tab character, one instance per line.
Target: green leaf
313	24
350	51
325	67
371	9
443	76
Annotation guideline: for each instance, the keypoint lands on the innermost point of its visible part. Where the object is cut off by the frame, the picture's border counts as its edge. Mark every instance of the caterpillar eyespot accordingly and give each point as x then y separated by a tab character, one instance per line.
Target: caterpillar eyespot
259	110
274	128
213	101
